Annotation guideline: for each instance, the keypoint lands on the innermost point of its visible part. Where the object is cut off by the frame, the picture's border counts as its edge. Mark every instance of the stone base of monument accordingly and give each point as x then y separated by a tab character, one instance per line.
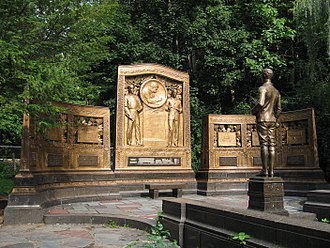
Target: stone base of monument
266	194
297	182
318	202
300	181
222	182
33	193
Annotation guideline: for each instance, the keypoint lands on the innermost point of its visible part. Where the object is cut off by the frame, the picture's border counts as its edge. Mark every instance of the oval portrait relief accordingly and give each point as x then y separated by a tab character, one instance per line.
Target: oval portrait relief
153	93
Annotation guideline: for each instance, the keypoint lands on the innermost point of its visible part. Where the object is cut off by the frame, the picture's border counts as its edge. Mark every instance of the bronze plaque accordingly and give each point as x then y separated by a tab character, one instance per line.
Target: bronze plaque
255	139
55	134
152	118
154	161
297	136
226	139
88	134
298	160
228	161
256	161
55	160
88	160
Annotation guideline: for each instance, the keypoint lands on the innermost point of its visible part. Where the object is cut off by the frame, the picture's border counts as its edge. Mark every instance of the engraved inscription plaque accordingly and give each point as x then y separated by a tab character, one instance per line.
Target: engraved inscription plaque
154	161
227	139
296	136
298	160
55	160
256	161
228	161
88	160
88	134
55	134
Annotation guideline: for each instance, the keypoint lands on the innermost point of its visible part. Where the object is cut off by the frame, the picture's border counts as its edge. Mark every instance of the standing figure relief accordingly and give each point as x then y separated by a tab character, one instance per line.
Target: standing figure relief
174	109
133	107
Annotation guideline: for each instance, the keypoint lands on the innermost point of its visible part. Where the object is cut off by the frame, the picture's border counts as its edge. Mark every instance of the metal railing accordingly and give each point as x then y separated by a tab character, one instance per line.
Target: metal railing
10	154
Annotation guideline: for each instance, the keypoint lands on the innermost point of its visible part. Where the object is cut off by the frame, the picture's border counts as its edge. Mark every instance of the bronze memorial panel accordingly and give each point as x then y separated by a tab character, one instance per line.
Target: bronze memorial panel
235	136
226	139
297	136
88	160
55	160
81	129
228	161
153	118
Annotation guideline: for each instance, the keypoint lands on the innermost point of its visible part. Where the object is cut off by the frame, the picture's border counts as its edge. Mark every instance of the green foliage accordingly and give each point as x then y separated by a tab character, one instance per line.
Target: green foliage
66	50
241	238
325	220
7	170
6	185
111	224
48	51
157	239
312	70
7	174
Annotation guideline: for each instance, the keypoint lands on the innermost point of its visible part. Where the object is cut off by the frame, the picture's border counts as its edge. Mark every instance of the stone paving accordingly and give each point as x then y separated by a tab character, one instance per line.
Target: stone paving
68	235
104	236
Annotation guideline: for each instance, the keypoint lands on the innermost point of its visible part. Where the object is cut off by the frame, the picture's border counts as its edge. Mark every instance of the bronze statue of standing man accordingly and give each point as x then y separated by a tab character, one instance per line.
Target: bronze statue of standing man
267	111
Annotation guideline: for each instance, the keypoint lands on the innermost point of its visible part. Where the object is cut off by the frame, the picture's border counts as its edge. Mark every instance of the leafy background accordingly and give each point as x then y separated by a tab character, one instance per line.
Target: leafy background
69	50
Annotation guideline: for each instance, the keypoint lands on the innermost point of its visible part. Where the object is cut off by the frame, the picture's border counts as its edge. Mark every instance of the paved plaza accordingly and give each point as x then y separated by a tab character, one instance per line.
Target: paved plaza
109	235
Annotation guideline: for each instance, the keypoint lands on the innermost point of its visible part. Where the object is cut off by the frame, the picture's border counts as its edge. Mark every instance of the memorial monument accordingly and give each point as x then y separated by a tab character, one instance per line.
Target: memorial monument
267	112
266	191
231	153
70	162
152	127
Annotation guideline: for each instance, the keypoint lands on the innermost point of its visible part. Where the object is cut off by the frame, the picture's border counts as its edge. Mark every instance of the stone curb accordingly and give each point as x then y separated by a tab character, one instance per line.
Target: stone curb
120	220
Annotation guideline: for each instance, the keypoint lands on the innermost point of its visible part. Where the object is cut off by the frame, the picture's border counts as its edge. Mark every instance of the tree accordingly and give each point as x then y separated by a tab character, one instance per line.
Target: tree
312	70
48	50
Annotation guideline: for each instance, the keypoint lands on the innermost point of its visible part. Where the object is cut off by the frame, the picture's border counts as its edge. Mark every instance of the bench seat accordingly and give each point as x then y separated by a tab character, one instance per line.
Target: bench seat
155	187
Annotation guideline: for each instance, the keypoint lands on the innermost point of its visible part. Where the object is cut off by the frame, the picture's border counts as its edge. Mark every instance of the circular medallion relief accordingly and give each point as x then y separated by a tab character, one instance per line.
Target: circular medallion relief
153	93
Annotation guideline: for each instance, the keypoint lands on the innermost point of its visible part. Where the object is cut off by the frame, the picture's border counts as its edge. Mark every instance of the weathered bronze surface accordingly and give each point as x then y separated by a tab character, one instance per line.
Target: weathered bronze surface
153	118
267	112
82	142
294	152
133	107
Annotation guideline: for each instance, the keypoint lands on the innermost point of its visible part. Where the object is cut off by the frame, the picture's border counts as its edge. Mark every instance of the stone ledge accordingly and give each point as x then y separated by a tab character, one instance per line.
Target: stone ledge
194	222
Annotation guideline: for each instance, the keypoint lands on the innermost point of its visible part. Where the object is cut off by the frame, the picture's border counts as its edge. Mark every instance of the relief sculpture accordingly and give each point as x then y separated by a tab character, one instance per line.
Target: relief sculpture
153	93
174	109
158	133
153	108
133	107
227	135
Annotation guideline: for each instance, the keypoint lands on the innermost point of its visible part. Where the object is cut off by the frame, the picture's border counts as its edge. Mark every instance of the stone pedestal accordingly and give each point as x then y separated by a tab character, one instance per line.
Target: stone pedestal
266	194
318	202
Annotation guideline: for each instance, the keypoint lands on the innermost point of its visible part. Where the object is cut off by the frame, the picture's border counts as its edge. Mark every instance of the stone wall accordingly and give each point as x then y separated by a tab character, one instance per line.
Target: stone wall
198	224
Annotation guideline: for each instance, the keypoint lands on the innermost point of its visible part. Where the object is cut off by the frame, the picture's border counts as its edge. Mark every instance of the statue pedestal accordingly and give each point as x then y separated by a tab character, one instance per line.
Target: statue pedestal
266	194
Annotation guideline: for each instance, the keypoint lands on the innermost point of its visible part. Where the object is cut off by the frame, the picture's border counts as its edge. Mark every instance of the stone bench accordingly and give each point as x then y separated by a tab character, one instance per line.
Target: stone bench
155	187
